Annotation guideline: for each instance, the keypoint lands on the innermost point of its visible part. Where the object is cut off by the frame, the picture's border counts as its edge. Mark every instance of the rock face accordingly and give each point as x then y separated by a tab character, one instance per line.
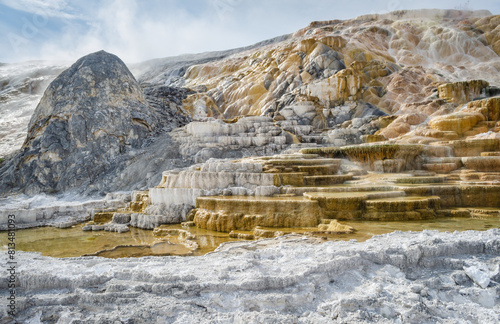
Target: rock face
89	115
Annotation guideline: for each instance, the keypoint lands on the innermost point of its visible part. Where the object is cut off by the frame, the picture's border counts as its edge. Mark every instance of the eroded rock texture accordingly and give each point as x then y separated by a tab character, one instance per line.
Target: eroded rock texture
90	115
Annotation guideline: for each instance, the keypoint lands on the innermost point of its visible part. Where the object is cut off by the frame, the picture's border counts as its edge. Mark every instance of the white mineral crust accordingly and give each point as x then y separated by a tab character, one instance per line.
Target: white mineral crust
410	277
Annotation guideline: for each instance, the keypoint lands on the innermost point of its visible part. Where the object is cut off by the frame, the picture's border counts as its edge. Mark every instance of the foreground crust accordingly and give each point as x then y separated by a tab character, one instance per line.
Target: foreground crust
413	277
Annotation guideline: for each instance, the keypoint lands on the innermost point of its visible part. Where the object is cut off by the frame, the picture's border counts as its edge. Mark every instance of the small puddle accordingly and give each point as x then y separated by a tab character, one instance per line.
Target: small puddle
157	249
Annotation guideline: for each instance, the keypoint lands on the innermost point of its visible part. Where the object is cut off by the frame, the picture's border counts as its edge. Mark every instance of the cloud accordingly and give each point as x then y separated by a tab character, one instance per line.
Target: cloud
48	8
135	33
137	30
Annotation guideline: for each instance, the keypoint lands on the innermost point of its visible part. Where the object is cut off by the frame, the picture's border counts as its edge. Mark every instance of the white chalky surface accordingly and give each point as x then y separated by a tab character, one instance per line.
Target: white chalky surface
410	277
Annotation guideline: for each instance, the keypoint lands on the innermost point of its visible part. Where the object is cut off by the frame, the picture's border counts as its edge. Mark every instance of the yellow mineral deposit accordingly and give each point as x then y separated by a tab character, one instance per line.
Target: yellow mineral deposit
139	201
245	213
489	108
334	227
461	92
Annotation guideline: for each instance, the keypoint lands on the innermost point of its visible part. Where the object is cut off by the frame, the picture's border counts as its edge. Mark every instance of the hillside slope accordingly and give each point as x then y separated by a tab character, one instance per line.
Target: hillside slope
405	76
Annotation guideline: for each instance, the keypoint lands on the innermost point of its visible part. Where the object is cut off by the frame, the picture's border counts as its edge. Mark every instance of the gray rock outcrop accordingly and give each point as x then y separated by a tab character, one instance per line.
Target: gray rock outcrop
89	117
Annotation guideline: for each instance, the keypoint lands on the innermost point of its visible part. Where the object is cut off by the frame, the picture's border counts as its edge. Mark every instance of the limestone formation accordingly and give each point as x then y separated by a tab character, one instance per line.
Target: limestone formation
490	108
396	117
474	146
258	135
306	189
483	163
458	122
245	213
462	92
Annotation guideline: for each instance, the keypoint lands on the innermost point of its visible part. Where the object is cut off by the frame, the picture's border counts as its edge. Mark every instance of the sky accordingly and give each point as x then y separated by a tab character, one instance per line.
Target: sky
138	30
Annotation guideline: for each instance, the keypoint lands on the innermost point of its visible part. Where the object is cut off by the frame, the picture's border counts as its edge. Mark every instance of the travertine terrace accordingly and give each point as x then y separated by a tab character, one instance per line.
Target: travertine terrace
379	118
330	132
321	186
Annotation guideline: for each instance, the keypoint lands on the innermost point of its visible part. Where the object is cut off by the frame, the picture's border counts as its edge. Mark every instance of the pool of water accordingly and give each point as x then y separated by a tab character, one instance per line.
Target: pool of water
74	242
365	230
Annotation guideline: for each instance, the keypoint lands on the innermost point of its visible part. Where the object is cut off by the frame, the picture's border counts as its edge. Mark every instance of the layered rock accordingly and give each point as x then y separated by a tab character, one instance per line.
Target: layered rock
462	92
306	189
483	163
479	119
382	157
245	213
260	177
489	108
258	135
459	123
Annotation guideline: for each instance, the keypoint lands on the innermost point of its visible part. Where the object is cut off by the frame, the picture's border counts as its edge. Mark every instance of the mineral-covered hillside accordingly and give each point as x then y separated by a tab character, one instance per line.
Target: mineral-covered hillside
21	87
402	76
333	71
387	61
329	132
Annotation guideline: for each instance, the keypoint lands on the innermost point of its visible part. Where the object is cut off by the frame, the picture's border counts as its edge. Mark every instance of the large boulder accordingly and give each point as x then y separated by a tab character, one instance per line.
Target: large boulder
90	115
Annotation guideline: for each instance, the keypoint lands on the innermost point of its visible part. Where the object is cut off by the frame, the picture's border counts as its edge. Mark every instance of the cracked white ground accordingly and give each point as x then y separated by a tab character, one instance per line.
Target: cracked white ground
401	277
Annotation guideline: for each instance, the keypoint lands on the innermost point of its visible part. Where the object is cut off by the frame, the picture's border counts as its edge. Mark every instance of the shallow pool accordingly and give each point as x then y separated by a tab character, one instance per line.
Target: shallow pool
73	242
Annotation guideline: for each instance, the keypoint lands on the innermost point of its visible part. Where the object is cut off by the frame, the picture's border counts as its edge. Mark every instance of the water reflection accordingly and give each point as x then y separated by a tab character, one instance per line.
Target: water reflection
74	242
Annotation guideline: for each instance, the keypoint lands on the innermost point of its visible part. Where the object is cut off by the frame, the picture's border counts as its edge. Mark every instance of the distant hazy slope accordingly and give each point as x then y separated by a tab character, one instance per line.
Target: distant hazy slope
21	87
